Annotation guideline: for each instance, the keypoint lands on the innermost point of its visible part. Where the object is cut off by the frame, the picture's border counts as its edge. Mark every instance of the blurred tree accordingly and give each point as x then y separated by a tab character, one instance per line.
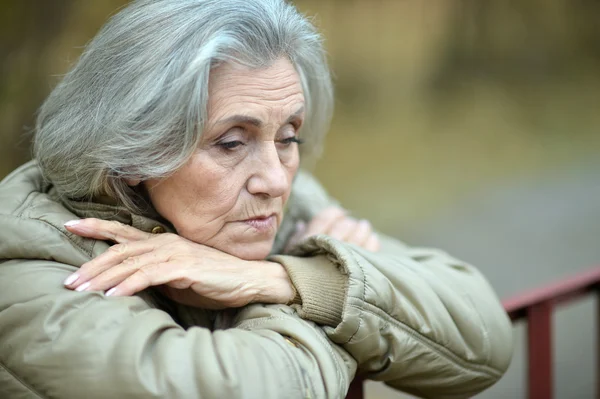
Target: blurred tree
519	89
37	40
518	40
26	31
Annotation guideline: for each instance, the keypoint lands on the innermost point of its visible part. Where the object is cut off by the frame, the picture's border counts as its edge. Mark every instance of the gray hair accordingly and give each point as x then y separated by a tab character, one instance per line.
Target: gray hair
134	105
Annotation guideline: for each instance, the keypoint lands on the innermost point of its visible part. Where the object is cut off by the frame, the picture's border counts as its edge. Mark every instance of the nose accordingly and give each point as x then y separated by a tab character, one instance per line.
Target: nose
269	176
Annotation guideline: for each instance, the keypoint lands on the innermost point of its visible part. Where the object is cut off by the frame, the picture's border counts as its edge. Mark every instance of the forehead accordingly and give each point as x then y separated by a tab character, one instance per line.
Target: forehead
237	88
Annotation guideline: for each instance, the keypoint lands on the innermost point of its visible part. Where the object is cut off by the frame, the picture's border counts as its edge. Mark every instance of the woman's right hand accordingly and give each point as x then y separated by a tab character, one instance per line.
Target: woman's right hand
187	272
335	222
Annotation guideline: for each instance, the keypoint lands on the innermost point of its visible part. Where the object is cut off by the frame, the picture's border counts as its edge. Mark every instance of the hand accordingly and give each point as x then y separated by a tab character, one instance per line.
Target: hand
334	222
188	272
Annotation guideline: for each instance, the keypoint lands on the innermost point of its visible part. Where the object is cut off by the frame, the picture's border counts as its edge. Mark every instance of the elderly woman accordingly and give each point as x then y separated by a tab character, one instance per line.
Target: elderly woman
190	118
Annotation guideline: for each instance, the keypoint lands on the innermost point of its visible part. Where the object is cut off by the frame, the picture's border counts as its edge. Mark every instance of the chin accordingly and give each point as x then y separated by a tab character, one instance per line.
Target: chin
254	251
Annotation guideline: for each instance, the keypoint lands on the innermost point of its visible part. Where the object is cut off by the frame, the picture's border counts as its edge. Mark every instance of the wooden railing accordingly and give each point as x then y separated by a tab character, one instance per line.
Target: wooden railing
537	307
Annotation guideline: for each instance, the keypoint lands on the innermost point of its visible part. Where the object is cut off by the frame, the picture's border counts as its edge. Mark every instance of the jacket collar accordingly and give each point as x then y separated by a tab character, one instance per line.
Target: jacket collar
106	208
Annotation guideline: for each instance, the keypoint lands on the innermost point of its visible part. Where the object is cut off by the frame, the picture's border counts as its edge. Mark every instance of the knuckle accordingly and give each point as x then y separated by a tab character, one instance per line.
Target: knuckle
122	229
335	213
114	225
118	249
350	221
344	225
366	225
132	261
181	283
145	275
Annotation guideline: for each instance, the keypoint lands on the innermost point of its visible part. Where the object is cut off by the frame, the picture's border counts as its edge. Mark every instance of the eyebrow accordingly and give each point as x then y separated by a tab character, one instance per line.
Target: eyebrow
249	120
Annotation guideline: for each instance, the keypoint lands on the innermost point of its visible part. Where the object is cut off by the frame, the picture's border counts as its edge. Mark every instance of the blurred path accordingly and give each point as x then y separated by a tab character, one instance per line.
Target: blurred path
524	235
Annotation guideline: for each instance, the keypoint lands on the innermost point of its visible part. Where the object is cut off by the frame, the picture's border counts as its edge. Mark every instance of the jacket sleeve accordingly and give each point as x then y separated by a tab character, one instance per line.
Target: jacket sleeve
417	319
63	344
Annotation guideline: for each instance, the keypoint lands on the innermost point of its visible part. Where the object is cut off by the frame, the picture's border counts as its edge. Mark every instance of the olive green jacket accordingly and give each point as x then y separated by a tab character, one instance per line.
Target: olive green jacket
417	319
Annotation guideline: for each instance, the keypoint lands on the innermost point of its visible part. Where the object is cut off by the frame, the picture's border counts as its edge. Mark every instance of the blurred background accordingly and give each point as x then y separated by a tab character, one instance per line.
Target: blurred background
470	125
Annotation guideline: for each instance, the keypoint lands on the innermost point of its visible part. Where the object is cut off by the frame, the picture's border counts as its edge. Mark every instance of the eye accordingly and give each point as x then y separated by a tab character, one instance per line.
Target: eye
292	136
230	145
291	140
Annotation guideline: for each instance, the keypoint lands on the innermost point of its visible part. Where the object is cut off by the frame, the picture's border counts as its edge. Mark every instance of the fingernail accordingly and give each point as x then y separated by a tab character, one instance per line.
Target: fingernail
71	279
83	287
72	223
111	291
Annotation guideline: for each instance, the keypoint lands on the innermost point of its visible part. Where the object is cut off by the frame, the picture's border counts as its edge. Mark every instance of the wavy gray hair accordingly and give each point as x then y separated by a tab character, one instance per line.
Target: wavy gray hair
133	106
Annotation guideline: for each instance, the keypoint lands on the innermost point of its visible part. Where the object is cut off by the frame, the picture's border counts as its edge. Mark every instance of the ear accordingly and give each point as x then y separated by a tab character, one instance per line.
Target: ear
132	182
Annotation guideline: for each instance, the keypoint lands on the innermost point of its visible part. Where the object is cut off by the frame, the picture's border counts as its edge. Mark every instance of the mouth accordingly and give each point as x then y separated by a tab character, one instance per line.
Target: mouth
262	223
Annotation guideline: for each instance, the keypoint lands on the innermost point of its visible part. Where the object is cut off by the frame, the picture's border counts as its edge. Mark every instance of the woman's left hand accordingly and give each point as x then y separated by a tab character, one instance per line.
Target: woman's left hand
335	222
188	272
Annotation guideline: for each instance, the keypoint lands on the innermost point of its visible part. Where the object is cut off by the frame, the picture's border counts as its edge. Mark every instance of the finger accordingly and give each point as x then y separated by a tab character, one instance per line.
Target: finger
119	273
106	230
361	233
322	222
150	275
373	243
115	255
343	228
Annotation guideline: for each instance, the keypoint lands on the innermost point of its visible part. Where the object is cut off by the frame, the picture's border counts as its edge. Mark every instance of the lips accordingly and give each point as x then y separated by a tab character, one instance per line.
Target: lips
263	223
264	216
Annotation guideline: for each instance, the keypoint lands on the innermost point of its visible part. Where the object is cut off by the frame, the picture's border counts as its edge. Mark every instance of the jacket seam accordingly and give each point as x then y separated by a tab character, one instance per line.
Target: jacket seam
20	380
249	325
340	256
256	323
438	348
18	213
77	245
484	328
299	377
335	356
362	299
364	306
64	235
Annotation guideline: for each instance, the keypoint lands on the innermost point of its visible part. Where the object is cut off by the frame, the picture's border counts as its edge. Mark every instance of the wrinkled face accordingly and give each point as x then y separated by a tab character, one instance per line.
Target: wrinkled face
230	195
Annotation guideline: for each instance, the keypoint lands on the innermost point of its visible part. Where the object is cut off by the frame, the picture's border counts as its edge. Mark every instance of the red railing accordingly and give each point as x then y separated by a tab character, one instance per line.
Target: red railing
537	307
356	390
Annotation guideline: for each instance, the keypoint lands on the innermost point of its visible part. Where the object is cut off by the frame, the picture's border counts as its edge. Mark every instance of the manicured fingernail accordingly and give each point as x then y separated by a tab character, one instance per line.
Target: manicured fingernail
111	291
71	279
83	287
72	223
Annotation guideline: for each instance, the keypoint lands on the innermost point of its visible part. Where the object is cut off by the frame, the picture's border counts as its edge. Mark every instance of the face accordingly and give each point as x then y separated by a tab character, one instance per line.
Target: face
231	194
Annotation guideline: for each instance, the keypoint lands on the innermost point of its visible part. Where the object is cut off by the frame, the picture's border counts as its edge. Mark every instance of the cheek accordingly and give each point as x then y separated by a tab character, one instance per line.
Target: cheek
214	193
292	168
197	196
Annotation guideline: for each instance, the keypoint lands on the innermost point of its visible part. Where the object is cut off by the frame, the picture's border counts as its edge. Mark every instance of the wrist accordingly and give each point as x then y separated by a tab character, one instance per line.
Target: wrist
273	283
